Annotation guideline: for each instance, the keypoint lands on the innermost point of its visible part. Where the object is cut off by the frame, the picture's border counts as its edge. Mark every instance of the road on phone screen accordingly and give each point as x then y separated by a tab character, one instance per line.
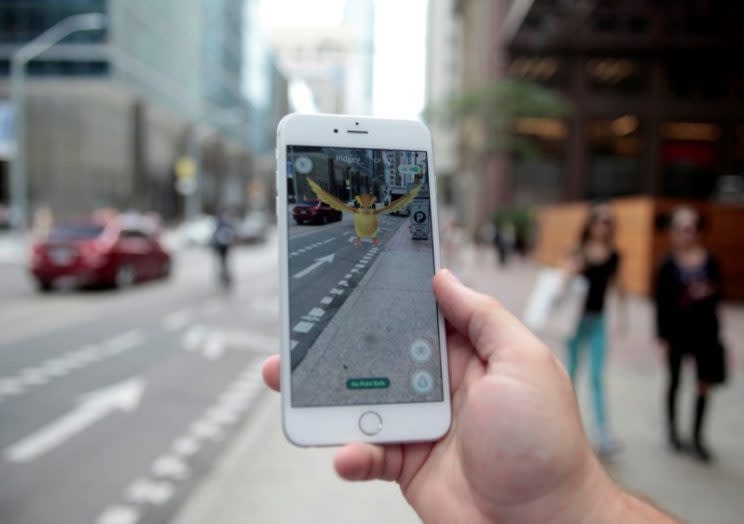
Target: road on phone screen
325	266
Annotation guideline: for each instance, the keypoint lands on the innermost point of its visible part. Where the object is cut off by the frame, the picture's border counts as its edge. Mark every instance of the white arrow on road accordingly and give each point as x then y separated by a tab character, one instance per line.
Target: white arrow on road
124	396
318	262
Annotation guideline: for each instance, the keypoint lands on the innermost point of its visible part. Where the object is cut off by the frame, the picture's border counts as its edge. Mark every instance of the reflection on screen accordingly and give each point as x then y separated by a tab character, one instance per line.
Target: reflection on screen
363	322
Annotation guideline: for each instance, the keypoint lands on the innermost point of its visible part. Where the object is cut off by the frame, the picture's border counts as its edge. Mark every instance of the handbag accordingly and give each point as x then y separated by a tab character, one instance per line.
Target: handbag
555	304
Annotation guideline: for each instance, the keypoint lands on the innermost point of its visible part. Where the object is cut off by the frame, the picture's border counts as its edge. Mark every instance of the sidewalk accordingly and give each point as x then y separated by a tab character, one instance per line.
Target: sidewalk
264	479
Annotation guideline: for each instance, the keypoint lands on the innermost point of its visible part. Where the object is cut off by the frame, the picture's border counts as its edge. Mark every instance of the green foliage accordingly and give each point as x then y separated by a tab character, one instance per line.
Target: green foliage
520	217
496	106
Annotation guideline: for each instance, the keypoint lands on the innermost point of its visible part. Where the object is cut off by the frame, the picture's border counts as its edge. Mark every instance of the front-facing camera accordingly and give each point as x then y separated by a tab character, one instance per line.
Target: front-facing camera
335	130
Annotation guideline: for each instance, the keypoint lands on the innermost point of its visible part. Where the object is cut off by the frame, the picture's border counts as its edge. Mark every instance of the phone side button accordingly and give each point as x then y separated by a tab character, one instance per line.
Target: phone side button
370	423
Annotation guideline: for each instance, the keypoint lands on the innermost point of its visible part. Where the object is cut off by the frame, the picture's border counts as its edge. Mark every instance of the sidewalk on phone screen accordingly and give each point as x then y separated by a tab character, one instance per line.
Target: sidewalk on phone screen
262	478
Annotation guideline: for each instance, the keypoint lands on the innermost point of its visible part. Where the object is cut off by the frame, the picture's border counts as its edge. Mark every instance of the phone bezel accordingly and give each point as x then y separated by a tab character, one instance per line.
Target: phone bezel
321	426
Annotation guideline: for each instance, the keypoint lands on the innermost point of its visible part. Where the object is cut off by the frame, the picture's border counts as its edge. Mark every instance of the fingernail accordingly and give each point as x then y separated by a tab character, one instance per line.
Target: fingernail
452	275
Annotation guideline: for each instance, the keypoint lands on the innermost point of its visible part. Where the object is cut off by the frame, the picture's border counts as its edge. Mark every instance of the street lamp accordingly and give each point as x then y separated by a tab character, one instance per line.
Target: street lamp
23	55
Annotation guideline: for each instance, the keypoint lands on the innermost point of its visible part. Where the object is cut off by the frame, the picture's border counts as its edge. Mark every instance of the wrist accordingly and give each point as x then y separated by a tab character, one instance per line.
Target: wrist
606	503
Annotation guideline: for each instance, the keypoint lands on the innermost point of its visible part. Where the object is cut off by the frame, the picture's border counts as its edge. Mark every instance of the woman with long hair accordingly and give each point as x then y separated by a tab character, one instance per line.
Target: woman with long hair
688	290
598	261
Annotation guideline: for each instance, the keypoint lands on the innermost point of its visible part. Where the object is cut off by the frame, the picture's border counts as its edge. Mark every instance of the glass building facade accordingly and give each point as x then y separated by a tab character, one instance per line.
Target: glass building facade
23	20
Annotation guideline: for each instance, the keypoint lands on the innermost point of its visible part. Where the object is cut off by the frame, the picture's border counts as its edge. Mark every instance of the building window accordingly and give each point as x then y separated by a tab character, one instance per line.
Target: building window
538	176
688	158
615	74
614	163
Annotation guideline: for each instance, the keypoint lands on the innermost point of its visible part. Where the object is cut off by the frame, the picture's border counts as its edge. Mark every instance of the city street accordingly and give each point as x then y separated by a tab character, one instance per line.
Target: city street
114	404
381	294
324	267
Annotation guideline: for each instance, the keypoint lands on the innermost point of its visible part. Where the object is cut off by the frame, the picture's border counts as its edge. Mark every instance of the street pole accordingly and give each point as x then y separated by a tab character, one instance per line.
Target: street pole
21	57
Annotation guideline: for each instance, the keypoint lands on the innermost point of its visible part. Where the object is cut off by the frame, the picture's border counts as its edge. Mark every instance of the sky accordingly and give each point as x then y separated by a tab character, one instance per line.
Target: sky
400	46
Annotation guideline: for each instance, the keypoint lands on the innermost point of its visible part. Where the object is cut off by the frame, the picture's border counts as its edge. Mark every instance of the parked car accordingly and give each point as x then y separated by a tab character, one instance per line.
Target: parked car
252	228
315	212
111	252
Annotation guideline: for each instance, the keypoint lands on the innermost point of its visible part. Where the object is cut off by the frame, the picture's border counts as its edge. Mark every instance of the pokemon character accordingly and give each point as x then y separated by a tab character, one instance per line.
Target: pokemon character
365	217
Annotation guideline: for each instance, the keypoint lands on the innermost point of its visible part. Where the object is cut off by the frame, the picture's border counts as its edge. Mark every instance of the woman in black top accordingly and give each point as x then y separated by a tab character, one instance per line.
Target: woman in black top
598	261
688	289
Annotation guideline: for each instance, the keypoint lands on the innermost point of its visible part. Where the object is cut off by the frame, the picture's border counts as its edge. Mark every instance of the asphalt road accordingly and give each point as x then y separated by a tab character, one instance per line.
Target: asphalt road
114	404
324	267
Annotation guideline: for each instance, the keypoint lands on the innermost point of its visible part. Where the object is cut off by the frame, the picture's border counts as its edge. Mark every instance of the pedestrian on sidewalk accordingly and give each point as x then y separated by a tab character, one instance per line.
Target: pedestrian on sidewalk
596	259
688	290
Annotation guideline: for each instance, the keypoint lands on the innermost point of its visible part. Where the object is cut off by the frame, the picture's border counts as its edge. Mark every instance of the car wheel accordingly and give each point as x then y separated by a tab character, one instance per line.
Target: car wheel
124	276
165	271
45	286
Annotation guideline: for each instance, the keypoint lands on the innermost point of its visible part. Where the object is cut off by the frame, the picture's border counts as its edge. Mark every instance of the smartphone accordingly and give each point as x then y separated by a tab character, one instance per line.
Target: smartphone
362	341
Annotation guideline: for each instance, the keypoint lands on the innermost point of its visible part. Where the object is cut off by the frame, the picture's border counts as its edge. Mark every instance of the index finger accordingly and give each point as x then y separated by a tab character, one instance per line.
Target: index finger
270	372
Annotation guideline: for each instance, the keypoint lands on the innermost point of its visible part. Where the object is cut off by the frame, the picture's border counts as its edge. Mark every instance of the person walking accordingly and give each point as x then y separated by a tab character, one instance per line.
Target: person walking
598	261
688	290
222	240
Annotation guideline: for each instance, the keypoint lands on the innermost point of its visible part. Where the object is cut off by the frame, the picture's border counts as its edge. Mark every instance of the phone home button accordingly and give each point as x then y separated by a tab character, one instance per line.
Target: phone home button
370	423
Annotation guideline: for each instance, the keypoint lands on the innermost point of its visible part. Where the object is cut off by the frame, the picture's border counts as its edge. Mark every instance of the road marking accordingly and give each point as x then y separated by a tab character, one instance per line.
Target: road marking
326	300
359	266
303	327
176	320
222	415
61	365
33	376
55	367
119	514
343	283
316	312
211	308
171	467
124	396
123	342
193	337
204	429
215	346
10	386
354	270
292	344
186	446
347	276
146	490
336	291
318	262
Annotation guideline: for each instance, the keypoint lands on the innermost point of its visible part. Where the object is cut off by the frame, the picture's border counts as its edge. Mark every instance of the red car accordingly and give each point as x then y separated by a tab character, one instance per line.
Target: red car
315	212
91	253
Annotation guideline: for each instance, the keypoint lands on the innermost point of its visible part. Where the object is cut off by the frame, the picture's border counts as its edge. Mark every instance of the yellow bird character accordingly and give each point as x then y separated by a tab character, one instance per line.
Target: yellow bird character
365	217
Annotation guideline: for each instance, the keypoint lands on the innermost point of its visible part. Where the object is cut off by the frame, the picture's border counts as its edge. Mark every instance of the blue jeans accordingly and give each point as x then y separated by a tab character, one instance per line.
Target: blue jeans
591	330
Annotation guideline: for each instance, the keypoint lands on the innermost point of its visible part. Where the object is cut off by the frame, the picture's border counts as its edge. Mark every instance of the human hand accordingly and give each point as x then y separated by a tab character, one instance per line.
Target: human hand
516	450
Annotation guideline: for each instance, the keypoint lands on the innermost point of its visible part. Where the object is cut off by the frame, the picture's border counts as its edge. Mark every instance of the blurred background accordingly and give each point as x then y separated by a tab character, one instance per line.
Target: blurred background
138	251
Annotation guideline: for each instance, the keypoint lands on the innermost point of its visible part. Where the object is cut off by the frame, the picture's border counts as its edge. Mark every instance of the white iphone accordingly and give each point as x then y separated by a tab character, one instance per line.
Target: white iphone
362	341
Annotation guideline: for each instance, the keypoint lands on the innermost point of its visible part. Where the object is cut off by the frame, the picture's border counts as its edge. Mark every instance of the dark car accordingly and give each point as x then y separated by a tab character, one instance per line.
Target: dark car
315	212
92	253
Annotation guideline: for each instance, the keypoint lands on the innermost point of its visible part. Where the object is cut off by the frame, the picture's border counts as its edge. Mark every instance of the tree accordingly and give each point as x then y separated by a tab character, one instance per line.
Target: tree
496	107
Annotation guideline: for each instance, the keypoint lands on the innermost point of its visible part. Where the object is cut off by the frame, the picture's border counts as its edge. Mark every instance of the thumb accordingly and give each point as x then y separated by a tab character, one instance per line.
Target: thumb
491	329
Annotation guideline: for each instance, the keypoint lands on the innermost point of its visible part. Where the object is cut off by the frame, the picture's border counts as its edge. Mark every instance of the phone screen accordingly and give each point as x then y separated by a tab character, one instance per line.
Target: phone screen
362	314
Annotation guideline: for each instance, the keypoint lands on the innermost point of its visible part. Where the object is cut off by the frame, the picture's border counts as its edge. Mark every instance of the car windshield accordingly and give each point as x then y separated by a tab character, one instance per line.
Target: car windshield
75	232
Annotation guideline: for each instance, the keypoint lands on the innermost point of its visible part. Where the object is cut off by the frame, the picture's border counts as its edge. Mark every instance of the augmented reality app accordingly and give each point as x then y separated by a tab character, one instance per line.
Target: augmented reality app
363	320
